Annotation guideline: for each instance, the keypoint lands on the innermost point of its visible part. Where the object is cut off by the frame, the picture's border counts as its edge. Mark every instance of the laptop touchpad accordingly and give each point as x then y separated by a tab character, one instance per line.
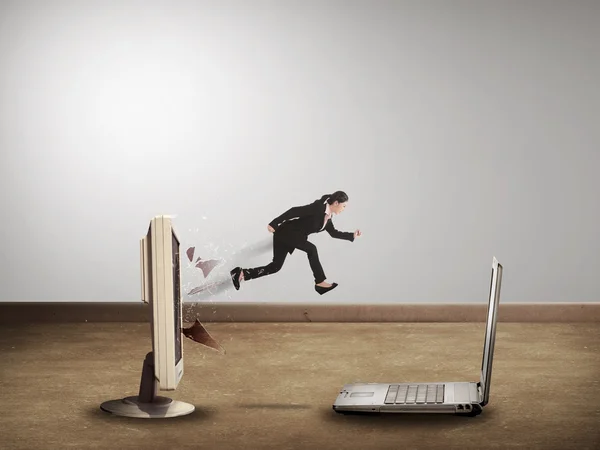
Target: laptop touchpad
362	394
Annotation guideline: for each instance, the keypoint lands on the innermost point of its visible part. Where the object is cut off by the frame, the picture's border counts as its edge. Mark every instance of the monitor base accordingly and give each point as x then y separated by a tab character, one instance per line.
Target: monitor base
160	407
148	405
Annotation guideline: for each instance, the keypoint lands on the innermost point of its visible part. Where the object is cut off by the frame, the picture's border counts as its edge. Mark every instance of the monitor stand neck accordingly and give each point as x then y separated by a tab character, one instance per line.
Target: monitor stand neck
148	383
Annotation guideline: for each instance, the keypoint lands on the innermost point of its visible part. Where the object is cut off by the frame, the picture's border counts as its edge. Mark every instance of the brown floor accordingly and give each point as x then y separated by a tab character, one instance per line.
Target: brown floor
275	386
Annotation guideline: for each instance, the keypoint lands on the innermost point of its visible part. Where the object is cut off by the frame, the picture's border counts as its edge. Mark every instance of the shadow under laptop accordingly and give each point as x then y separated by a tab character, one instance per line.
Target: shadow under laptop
398	420
282	406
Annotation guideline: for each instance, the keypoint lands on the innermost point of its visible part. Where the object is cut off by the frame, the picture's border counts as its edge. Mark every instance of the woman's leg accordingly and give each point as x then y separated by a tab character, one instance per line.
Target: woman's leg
280	252
313	259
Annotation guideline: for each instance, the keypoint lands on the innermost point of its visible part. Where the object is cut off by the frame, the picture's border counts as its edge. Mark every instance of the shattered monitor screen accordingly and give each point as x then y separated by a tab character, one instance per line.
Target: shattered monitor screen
176	297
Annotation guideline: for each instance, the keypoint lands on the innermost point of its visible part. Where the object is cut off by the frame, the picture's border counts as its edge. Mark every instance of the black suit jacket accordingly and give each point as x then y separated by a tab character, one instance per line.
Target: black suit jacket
294	225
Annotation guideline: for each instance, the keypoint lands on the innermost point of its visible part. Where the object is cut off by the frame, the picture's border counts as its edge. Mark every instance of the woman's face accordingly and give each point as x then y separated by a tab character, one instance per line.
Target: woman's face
338	207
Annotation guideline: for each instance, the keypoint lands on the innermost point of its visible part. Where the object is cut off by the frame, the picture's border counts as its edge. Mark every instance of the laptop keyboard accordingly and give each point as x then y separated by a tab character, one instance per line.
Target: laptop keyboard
414	393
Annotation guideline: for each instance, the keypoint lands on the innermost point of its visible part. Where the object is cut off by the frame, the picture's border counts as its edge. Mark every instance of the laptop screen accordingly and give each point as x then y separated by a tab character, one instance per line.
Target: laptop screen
490	329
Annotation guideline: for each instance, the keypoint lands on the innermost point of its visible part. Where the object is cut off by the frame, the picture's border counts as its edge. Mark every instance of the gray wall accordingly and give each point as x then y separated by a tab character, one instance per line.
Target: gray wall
460	130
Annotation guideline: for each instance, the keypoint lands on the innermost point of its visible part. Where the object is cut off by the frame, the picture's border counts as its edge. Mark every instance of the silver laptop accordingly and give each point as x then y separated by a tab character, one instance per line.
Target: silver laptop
462	397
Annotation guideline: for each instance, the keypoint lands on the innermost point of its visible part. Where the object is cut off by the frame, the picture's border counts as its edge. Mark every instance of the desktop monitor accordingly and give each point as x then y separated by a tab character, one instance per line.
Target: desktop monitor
161	289
160	264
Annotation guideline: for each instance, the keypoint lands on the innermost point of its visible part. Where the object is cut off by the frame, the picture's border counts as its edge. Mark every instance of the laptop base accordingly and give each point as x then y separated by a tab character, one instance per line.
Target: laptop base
475	411
458	398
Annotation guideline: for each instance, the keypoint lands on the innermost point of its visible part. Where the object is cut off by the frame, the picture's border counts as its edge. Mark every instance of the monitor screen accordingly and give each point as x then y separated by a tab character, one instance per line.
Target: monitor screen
176	297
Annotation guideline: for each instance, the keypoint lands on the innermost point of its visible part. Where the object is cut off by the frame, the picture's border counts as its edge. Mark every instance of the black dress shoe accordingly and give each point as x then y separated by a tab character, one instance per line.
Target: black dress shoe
235	277
322	290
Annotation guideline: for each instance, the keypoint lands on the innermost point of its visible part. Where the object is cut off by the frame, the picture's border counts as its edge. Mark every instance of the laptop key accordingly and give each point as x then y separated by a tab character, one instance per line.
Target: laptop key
440	394
391	394
401	397
431	393
421	393
411	396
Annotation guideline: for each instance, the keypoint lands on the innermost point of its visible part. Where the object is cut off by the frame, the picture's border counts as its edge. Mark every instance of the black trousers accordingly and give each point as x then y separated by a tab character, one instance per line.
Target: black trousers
280	252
